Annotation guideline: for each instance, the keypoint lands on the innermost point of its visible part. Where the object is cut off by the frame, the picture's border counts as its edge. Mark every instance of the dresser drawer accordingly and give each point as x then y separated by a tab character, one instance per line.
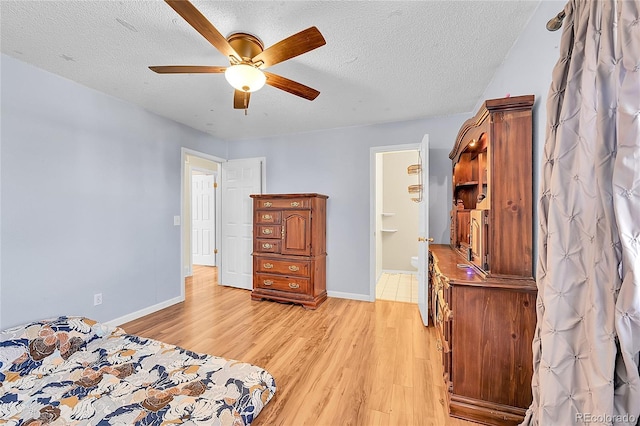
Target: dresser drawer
269	231
288	203
281	266
276	282
267	217
266	245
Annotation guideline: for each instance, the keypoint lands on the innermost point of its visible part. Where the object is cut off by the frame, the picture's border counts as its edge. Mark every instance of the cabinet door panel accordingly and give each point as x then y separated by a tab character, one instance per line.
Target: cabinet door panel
297	232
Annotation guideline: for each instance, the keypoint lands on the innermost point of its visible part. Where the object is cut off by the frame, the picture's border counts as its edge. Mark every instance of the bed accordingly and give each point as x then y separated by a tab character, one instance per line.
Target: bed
73	370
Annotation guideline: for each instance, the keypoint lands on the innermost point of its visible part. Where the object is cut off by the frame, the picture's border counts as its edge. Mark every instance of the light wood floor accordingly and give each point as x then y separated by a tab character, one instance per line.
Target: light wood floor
346	363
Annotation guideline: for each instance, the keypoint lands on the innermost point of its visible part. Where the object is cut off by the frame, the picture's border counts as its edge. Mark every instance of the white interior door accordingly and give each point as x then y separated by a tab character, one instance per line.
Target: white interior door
423	234
239	179
203	224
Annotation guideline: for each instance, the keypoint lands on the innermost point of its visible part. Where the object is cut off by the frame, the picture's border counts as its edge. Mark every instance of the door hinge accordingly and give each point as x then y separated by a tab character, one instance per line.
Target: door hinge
215	184
215	251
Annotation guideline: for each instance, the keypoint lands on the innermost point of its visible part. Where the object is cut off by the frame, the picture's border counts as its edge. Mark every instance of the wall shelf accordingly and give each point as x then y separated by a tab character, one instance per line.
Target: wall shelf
415	189
388	214
388	230
414	169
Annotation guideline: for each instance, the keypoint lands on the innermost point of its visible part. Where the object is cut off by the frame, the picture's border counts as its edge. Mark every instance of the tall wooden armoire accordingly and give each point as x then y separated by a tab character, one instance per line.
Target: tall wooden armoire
289	248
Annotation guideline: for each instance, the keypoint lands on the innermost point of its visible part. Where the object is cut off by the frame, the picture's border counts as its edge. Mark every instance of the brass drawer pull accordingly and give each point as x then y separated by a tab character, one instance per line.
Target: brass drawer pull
267	265
267	282
267	231
294	285
267	246
295	204
267	217
294	268
267	204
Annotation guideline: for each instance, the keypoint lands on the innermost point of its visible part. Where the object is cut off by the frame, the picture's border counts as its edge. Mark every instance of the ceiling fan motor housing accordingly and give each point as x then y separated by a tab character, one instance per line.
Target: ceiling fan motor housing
246	45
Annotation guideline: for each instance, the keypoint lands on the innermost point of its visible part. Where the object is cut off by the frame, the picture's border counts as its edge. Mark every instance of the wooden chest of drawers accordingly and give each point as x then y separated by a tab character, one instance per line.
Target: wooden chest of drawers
289	248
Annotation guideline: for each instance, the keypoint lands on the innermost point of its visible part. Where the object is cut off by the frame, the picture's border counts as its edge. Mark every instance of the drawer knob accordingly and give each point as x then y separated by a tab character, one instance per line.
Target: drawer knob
267	265
294	285
267	231
267	246
267	217
294	268
267	282
267	204
295	204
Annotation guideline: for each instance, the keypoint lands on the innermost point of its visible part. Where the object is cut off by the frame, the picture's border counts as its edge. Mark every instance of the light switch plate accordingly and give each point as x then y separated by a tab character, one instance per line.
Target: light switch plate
176	220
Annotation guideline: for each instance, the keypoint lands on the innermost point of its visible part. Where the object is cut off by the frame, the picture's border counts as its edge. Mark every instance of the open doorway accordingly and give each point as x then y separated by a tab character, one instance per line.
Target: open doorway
201	210
204	184
379	217
396	226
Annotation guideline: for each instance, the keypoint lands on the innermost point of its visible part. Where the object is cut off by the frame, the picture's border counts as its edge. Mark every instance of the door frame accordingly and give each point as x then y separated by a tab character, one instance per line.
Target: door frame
373	279
183	153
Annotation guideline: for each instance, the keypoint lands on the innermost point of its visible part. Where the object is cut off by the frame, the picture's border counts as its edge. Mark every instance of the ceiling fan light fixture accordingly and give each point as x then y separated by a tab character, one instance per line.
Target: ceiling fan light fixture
245	77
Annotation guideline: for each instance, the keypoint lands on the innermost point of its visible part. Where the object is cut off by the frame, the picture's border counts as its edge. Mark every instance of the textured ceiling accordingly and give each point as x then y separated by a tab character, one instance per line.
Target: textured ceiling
384	61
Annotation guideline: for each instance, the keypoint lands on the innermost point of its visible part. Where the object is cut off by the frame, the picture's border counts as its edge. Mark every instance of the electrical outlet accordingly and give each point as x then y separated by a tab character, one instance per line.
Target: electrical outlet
97	299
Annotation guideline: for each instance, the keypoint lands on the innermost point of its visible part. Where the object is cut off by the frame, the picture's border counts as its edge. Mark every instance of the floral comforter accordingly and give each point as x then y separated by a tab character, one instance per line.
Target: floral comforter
74	371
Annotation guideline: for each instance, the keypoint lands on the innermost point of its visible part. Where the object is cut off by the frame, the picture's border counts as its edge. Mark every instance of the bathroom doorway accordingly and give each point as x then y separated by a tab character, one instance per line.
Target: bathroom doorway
396	224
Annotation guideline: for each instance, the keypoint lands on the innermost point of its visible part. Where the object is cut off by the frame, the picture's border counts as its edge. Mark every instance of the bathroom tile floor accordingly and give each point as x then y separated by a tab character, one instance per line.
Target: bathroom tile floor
397	287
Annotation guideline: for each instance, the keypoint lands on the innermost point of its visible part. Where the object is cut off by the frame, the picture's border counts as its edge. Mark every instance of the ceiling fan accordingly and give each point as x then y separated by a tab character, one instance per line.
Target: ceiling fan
247	57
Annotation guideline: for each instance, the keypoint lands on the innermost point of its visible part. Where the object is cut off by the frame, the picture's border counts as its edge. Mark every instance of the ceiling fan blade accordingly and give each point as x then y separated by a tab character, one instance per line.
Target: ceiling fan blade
241	99
291	86
197	20
290	47
187	69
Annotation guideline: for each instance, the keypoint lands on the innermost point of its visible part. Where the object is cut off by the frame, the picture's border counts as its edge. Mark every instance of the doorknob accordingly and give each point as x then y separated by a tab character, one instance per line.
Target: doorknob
422	239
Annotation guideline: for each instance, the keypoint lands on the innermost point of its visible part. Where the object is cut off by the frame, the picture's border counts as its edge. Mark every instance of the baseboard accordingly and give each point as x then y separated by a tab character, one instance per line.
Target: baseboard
352	296
146	311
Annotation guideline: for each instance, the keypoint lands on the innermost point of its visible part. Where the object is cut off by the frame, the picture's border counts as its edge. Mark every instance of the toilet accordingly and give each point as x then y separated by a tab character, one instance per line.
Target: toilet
414	261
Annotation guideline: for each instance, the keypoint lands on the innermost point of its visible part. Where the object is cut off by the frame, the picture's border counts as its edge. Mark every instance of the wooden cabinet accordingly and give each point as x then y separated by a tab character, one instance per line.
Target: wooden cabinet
483	291
289	248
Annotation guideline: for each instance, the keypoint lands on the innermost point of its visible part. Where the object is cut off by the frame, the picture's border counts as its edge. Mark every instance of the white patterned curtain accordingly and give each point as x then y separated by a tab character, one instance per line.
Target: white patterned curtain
587	341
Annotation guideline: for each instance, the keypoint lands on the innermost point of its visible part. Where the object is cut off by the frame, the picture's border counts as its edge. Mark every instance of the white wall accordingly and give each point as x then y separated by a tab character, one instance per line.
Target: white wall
399	246
89	185
336	163
527	70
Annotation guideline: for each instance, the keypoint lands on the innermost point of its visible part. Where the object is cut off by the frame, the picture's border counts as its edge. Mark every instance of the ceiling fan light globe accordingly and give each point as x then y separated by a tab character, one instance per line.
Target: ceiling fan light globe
245	78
